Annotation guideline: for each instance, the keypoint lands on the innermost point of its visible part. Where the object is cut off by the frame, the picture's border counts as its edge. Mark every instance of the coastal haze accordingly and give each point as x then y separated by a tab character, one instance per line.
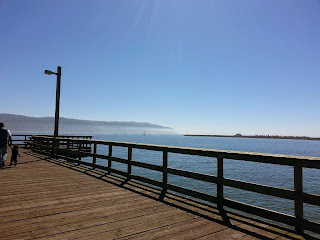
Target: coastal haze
19	123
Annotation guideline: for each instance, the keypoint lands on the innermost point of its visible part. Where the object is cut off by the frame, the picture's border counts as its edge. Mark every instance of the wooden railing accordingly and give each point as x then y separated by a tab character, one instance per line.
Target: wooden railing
21	139
44	144
72	136
26	139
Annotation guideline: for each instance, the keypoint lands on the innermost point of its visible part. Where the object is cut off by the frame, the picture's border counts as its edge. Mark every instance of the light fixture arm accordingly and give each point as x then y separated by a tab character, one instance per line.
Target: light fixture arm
47	72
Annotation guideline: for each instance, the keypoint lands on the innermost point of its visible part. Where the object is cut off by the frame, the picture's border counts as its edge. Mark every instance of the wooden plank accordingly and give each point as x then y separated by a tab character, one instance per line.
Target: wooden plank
147	166
138	164
163	232
311	198
117	229
267	190
193	193
86	218
147	180
272	215
204	231
311	226
193	175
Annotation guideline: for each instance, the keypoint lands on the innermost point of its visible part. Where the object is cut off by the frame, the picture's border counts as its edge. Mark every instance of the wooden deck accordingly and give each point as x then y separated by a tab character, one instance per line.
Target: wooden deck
44	198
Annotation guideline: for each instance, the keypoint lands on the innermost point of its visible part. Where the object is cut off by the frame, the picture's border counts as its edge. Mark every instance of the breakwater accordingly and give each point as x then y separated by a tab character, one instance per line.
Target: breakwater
257	136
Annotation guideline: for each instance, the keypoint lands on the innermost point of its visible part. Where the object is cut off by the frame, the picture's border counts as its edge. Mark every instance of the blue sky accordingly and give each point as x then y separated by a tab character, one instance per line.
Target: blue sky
198	66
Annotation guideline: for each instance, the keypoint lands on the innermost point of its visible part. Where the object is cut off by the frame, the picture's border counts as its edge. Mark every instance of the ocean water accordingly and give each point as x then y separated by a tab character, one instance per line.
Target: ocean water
260	173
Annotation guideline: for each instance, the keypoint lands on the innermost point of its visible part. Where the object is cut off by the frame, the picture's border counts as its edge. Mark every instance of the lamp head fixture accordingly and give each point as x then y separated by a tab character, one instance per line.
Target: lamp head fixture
47	72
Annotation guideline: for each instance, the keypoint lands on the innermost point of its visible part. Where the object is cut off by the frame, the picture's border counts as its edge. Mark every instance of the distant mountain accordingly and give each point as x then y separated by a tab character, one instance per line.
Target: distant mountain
20	123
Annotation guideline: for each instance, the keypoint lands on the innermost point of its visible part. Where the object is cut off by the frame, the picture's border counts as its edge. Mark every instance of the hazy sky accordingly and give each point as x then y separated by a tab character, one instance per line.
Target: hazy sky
202	66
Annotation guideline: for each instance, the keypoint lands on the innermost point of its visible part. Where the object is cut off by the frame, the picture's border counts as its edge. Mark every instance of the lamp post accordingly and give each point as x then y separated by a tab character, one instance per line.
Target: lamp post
56	117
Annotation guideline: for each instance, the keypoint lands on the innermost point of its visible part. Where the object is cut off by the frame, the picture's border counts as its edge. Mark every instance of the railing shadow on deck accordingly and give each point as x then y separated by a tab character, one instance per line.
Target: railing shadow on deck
215	214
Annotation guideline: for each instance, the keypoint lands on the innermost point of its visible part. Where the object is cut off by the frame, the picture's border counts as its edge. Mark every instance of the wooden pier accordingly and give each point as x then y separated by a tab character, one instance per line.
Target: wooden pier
47	198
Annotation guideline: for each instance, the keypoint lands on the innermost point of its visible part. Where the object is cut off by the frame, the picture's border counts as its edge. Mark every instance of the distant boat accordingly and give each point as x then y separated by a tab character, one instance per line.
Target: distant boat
144	133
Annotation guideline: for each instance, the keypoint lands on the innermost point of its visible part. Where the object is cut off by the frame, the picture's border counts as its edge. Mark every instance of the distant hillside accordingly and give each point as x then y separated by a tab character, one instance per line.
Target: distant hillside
20	123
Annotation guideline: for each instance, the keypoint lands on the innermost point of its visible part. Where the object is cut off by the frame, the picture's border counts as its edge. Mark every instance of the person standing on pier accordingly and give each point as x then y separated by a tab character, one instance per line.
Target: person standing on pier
5	135
14	155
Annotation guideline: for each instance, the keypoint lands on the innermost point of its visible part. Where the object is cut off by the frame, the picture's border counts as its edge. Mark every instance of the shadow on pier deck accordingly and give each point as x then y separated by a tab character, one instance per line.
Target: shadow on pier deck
44	198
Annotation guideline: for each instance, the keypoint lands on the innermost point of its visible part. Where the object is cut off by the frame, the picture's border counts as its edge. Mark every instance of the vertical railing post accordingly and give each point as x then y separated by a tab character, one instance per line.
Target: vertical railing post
48	145
80	154
34	141
51	146
32	144
94	159
129	162
54	147
25	141
35	144
39	144
164	173
68	149
57	148
220	182
109	159
298	201
42	145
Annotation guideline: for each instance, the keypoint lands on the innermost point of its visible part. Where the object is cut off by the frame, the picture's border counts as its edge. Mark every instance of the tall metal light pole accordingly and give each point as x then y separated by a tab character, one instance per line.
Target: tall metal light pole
56	117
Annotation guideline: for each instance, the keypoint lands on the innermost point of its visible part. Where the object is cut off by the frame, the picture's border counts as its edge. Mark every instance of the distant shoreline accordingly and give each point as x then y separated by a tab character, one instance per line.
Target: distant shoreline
256	136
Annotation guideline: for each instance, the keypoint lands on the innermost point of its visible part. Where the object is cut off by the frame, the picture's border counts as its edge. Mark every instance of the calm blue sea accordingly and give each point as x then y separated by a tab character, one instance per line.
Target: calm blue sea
260	173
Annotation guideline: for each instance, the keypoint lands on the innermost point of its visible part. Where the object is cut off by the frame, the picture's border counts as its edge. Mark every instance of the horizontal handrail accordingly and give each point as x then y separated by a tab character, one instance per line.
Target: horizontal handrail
72	136
288	160
62	147
26	138
20	139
